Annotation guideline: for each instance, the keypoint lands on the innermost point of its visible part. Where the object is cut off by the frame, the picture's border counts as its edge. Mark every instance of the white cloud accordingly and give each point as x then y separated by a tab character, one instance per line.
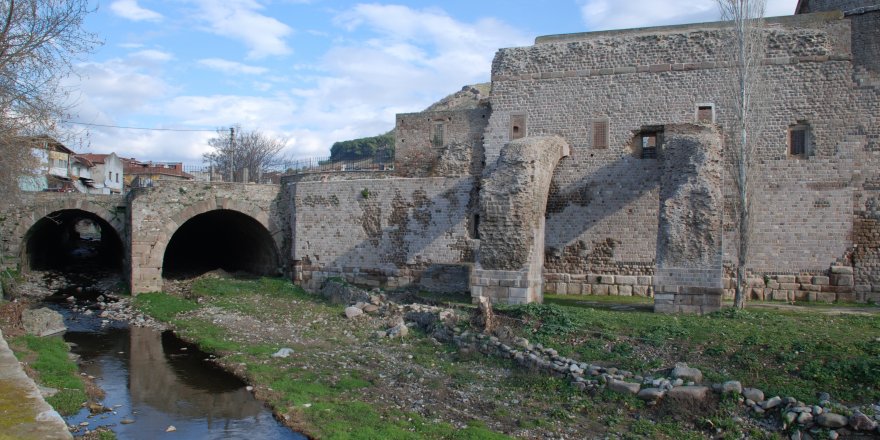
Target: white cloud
152	55
610	14
130	9
241	20
232	67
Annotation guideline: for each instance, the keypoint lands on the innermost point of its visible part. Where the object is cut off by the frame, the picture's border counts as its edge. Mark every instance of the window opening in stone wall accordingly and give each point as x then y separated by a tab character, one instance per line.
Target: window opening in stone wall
600	133
517	126
437	134
799	140
647	141
476	224
705	113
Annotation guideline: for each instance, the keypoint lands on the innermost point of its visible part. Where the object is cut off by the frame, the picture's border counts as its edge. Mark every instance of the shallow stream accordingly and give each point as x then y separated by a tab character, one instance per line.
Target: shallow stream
153	380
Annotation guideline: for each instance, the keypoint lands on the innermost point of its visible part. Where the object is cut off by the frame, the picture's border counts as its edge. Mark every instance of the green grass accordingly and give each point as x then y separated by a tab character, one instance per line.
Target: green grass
162	306
55	370
787	353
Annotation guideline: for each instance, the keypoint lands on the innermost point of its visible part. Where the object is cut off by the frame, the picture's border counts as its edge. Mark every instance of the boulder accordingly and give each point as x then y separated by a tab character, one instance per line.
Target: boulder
353	312
651	394
42	322
339	292
693	393
682	371
731	386
861	422
831	420
398	331
623	387
753	394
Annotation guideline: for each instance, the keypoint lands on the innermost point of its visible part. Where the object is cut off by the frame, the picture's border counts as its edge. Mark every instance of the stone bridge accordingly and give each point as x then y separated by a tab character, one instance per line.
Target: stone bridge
172	229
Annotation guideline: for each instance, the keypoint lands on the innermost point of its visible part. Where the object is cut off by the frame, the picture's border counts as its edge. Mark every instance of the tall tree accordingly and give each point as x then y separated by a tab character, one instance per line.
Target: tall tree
39	41
237	150
745	54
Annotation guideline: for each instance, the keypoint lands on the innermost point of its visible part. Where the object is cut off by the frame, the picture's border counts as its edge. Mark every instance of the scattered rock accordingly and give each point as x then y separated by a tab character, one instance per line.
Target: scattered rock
370	308
861	422
772	402
623	387
831	420
753	394
353	312
731	386
398	331
170	428
339	292
42	322
683	372
651	394
283	353
696	393
126	421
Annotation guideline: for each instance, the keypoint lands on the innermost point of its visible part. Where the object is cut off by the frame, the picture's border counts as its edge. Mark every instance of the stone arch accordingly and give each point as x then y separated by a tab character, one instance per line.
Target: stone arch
33	212
148	252
513	199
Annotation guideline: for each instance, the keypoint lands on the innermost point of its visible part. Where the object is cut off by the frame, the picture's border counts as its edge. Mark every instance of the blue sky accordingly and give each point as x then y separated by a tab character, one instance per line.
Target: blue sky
310	71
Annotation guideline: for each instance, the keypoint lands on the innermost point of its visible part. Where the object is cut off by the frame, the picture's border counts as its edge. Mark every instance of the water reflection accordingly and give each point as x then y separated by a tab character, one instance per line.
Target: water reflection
154	380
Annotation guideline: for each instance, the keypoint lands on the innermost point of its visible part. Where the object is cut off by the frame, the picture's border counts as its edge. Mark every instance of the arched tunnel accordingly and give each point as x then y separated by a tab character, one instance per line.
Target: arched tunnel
72	239
220	239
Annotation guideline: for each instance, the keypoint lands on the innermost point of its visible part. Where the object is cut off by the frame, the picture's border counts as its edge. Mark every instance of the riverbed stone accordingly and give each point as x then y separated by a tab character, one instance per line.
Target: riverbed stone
42	322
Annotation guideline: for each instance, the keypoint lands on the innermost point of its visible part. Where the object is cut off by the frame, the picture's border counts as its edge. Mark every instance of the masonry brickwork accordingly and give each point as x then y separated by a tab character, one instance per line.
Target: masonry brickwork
156	214
382	232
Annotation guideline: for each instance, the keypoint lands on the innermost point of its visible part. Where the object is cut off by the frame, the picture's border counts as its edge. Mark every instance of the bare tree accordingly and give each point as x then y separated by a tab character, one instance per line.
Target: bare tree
745	54
238	152
39	40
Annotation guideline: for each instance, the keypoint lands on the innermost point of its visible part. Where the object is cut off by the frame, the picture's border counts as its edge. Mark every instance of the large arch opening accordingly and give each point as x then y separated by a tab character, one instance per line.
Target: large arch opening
220	239
72	240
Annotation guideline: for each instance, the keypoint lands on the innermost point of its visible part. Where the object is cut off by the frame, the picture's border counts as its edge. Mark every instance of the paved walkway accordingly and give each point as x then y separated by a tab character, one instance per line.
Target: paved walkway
23	412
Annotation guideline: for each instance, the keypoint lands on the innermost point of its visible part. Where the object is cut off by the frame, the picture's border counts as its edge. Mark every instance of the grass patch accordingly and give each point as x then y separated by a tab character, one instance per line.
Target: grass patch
162	306
787	353
48	357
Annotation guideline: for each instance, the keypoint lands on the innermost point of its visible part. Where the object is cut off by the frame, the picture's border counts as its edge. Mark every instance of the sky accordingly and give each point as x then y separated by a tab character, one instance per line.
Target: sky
311	72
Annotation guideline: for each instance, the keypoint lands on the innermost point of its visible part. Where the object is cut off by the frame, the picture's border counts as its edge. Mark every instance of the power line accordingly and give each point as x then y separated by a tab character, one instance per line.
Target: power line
138	128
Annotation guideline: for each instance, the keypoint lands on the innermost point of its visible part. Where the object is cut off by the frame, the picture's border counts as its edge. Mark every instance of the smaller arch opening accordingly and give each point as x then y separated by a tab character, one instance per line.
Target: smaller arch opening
72	240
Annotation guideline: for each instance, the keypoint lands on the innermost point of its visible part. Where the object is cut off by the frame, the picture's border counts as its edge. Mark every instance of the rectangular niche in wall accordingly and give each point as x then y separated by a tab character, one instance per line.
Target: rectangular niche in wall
517	126
600	133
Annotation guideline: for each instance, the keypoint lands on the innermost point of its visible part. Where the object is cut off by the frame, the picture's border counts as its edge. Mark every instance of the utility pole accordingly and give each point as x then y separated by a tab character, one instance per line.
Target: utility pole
232	154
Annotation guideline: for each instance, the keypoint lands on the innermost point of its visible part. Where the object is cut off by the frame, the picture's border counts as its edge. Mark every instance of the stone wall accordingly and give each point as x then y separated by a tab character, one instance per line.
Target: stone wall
440	143
601	218
17	220
383	232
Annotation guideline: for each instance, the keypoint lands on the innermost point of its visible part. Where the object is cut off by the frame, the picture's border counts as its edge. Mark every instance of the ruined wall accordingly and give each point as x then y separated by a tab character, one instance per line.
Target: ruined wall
603	209
440	143
512	201
383	232
689	271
